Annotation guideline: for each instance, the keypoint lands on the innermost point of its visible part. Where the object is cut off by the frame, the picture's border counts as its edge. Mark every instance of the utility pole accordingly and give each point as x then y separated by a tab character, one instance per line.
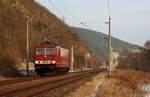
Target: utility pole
86	60
72	58
27	52
109	49
63	19
109	43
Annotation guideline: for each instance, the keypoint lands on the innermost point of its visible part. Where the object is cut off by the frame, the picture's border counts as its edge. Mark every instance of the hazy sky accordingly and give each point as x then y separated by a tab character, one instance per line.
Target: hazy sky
130	18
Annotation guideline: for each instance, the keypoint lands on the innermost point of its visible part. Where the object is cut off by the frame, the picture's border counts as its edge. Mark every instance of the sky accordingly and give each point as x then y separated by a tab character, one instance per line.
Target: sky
130	18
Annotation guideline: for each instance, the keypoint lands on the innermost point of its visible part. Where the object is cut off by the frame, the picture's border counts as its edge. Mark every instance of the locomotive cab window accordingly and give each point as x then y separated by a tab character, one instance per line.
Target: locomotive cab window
40	51
50	51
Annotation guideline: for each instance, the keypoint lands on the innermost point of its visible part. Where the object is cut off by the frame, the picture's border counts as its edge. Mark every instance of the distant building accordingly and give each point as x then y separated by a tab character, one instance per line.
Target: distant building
115	57
137	50
147	44
22	68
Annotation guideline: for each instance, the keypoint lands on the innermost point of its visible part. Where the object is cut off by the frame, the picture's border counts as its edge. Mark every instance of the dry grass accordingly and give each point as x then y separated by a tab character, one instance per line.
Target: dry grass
124	83
85	90
115	88
132	78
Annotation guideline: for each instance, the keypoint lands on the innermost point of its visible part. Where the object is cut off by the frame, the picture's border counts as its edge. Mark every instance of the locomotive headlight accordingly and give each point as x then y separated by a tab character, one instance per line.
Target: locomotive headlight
53	62
36	62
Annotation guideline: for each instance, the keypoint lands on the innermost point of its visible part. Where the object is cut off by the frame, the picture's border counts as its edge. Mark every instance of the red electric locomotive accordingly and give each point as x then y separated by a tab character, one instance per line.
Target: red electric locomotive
51	58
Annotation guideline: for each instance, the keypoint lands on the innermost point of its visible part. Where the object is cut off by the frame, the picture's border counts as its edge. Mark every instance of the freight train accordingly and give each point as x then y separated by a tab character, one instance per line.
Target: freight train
51	58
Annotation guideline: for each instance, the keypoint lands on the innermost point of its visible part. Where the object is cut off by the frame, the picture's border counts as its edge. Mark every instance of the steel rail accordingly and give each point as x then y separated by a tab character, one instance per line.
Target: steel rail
24	79
18	80
42	87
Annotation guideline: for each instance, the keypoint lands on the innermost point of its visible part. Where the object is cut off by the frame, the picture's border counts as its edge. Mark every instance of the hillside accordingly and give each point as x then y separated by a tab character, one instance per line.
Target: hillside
97	41
42	25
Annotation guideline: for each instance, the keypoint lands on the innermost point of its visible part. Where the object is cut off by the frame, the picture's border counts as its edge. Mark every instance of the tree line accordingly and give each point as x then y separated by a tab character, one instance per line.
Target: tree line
139	60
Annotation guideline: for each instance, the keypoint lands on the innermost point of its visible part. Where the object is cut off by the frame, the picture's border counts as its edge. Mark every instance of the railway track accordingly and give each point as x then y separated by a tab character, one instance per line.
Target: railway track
18	80
35	87
24	79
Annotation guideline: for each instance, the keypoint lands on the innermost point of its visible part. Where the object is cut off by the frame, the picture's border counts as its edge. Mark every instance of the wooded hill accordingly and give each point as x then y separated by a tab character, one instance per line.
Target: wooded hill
98	42
42	25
